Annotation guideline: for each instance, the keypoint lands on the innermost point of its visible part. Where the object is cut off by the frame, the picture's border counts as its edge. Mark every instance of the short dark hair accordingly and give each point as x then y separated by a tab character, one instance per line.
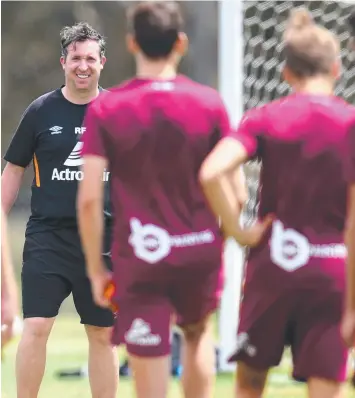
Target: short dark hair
155	26
310	49
79	32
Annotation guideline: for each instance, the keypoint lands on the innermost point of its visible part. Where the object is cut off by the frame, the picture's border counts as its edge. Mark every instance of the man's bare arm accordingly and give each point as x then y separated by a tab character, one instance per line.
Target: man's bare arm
350	242
239	184
11	181
90	215
8	283
9	294
220	181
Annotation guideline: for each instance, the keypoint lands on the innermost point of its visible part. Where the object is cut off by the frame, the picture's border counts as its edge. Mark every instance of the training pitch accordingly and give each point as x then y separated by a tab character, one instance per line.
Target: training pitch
67	349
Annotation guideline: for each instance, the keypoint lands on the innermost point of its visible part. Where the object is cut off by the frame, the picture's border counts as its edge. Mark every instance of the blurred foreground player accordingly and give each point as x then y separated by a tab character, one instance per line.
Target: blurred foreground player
153	133
9	297
295	278
348	324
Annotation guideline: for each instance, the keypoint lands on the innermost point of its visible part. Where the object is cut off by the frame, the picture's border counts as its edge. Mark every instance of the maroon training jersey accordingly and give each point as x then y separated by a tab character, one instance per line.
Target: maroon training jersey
350	159
301	141
155	135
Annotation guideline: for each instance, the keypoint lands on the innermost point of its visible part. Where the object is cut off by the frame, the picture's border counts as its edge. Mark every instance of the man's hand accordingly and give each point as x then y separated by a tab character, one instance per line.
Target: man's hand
9	310
9	298
348	328
253	235
100	280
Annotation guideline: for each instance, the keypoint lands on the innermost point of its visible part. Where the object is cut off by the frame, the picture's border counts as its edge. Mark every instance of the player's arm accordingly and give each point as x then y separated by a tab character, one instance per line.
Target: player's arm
18	156
236	176
350	243
11	181
90	203
9	297
350	222
215	176
8	283
89	209
239	185
348	322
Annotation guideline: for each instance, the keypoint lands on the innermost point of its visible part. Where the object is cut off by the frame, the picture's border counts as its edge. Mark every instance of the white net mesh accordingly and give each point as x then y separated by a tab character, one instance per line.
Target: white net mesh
264	22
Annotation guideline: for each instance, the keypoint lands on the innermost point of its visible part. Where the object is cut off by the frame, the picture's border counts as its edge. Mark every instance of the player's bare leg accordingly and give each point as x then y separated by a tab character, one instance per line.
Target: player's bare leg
103	362
198	360
31	356
151	376
250	383
320	388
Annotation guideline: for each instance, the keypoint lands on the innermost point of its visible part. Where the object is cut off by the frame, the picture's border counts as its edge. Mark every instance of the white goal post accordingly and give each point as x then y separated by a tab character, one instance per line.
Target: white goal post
230	68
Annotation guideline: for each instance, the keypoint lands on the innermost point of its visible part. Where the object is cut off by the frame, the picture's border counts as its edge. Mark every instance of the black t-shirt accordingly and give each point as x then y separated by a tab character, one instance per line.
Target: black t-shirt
49	136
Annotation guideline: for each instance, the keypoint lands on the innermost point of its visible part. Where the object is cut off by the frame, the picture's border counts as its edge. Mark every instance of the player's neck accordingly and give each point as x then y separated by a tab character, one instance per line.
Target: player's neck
79	98
315	86
161	70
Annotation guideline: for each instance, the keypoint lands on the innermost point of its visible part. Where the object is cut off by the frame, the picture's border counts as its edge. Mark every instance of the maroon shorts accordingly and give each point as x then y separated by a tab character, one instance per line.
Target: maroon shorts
307	320
148	296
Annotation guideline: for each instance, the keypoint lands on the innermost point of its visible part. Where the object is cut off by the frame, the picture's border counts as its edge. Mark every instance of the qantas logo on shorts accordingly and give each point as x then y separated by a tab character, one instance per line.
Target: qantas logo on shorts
140	333
243	345
152	243
291	250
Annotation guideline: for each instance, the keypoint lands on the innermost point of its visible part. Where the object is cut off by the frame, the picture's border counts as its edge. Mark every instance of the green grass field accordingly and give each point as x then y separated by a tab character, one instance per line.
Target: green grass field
67	348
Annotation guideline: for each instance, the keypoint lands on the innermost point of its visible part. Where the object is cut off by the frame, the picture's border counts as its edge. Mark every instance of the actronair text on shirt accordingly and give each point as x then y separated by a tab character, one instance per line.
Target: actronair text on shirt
74	160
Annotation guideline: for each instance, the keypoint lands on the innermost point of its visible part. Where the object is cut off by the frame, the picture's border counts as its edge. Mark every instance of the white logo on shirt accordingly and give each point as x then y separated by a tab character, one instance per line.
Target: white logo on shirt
152	243
291	250
162	86
74	159
140	333
56	130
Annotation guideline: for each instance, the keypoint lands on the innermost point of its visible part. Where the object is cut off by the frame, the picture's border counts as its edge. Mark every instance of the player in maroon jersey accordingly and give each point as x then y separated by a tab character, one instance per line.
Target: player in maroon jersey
348	324
295	277
153	133
349	319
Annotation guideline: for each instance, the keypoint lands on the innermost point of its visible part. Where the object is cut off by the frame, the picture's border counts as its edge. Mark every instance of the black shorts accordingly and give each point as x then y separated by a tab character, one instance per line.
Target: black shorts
54	267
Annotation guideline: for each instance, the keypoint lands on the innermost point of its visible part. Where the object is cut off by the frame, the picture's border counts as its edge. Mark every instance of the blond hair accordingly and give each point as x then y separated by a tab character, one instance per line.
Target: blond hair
310	49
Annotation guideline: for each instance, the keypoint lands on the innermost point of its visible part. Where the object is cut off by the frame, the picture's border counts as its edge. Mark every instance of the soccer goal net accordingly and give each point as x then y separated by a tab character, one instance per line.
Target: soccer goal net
254	51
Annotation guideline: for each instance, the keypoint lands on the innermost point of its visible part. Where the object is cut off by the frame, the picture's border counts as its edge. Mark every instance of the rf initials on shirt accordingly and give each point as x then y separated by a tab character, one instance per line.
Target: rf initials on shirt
80	130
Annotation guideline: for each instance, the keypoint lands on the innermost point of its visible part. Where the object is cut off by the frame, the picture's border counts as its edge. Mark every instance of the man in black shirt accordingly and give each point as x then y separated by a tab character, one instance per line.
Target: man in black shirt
53	262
